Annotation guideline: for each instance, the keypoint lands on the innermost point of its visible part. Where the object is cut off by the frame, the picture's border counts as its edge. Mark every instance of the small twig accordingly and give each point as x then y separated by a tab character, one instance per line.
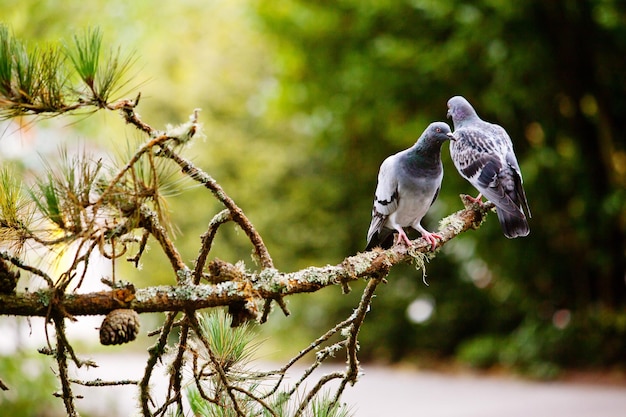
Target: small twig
20	264
268	304
219	219
267	308
197	376
163	408
156	351
100	383
85	259
127	107
320	357
147	147
352	371
70	350
176	368
257	399
61	357
312	346
150	221
142	247
175	325
323	381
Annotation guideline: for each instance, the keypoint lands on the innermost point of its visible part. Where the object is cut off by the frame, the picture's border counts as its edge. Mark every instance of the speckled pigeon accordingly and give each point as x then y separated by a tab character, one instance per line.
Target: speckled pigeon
408	184
483	154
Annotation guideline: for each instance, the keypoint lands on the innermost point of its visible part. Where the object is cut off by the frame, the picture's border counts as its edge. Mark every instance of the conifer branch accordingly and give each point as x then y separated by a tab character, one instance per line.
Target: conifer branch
37	80
266	284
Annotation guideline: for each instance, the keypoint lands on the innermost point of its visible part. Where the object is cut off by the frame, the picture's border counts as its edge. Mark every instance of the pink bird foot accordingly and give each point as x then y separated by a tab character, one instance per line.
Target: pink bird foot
431	238
476	200
403	238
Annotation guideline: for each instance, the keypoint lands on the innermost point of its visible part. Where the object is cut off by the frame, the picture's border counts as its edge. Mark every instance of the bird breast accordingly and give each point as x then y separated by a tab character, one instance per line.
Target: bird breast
412	209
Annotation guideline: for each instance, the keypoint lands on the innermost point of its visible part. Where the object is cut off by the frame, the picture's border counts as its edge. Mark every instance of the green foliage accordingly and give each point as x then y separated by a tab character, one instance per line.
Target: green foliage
86	55
321	406
12	202
31	385
230	345
6	61
65	192
324	407
29	78
540	349
101	79
49	201
34	80
481	352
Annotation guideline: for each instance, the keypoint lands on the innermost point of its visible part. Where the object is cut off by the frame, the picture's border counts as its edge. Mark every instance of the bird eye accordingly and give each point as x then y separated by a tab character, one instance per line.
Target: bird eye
438	130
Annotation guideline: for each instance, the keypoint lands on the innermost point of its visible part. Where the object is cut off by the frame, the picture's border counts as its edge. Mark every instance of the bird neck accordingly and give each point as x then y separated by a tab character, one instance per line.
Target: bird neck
466	121
425	154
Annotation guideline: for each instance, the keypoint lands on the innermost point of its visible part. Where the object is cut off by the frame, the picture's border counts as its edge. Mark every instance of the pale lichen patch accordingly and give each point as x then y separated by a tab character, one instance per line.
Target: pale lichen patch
453	222
358	265
419	260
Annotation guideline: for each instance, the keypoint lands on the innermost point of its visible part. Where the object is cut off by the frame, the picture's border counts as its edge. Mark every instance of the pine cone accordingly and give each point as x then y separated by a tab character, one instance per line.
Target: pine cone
8	278
119	326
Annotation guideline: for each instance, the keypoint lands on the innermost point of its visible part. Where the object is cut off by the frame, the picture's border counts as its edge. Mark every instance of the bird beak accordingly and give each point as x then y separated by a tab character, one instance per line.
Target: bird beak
449	113
451	136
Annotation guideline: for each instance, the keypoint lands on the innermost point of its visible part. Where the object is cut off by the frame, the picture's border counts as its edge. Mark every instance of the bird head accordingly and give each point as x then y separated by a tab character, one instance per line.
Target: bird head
460	110
438	132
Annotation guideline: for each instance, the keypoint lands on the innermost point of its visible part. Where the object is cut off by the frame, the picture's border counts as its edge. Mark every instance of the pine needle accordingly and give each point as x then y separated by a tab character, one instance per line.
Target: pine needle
36	79
102	75
232	346
11	199
6	64
85	55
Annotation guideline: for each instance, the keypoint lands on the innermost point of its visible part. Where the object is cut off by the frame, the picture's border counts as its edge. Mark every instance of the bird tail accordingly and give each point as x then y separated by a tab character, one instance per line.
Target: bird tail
383	239
513	224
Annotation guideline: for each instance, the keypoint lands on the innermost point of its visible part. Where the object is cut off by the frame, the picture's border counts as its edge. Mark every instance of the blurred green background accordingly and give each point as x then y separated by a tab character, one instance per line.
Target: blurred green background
302	100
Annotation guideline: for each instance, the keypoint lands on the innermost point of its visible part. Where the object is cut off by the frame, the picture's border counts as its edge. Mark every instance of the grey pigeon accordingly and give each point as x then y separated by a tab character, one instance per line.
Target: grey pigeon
408	184
483	154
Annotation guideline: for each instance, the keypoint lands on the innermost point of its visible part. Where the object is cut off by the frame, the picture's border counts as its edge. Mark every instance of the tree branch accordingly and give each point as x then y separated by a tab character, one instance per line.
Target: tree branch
266	284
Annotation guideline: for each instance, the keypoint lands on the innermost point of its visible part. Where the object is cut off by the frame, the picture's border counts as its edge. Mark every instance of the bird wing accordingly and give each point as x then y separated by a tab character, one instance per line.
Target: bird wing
436	195
481	157
519	195
516	173
386	196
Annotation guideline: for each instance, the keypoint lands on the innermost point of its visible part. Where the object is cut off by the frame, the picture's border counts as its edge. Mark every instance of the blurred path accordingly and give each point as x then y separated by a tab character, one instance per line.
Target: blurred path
385	392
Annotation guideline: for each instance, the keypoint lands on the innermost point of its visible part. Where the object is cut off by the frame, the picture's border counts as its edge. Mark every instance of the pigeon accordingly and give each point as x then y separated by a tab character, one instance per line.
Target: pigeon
408	184
483	154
